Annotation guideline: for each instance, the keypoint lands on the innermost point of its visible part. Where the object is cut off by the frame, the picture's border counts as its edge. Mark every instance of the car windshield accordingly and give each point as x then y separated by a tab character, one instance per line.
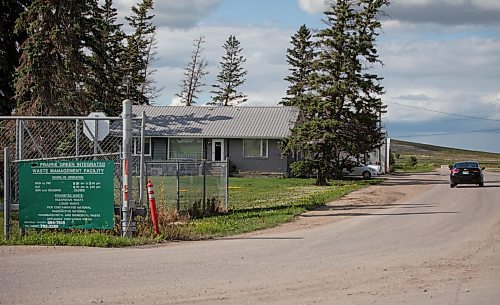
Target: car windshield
467	165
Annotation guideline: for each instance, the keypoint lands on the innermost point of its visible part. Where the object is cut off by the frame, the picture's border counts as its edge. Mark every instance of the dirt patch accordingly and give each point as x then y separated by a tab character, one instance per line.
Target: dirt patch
395	189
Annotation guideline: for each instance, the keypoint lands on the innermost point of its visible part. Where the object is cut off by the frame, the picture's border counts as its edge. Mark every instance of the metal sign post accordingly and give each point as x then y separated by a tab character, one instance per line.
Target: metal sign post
127	223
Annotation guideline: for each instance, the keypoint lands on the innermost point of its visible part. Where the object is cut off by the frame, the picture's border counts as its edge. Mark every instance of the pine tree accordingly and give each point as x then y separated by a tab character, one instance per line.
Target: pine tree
54	67
193	74
104	87
343	111
368	106
300	58
10	10
231	75
140	54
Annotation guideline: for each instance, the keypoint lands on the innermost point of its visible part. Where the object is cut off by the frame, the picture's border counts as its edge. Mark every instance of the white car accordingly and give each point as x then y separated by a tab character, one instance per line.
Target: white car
361	170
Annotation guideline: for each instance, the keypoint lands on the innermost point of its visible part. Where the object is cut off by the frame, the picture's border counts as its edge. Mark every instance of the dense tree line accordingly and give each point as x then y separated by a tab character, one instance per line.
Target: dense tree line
68	57
332	84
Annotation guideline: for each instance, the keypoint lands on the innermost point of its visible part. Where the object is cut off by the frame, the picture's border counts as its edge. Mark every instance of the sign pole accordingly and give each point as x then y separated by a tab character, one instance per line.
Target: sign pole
141	168
128	225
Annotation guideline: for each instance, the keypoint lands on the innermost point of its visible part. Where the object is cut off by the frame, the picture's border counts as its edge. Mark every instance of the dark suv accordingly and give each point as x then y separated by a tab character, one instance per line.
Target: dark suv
466	172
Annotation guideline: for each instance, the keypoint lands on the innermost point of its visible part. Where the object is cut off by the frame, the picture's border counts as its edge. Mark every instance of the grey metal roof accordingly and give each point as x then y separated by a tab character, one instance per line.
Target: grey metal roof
218	121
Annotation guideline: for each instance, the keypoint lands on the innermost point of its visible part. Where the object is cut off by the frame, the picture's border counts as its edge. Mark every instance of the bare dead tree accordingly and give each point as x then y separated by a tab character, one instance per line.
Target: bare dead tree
193	74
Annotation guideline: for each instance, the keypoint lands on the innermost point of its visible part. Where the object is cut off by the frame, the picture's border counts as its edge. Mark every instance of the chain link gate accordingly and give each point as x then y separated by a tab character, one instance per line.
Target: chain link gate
70	138
199	187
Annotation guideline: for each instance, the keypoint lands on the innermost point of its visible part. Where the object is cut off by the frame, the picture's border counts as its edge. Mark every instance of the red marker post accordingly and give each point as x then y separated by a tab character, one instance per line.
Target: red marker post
152	207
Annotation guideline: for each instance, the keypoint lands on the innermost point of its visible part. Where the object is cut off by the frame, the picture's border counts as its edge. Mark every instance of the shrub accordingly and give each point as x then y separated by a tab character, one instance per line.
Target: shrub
412	162
302	169
213	206
392	161
232	169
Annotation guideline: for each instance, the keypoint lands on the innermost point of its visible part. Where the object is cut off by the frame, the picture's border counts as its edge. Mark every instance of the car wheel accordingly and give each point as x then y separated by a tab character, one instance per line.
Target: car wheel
366	175
452	185
481	184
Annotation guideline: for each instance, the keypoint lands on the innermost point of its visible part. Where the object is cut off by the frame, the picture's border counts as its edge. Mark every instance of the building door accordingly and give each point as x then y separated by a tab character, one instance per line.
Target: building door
217	150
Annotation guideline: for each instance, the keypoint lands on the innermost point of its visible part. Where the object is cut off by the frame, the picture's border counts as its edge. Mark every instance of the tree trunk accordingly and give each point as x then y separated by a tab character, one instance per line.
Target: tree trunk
321	178
337	172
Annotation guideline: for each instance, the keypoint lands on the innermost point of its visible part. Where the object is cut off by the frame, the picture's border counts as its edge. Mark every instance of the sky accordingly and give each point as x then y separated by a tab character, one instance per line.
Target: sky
441	59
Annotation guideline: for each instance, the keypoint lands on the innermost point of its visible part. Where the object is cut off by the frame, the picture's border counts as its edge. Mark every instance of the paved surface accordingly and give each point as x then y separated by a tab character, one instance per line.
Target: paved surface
442	246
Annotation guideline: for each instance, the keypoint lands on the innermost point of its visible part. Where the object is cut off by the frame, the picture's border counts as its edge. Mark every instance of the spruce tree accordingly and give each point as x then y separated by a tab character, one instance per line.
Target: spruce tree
140	54
231	75
10	10
300	58
344	107
368	105
194	73
54	67
104	88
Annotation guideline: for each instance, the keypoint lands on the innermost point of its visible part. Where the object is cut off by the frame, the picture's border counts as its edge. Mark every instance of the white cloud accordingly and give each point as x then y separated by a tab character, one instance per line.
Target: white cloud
457	69
446	12
313	6
479	3
176	101
174	14
415	97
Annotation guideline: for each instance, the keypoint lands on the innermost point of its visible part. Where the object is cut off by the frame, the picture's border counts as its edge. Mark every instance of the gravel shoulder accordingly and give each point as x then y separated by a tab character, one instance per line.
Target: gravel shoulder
396	188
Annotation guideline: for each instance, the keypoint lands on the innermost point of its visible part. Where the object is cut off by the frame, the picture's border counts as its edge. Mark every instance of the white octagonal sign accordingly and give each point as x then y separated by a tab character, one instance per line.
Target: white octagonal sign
98	129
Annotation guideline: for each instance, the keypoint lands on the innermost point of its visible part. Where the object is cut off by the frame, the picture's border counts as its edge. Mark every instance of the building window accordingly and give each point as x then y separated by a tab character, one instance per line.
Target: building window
136	146
255	148
185	148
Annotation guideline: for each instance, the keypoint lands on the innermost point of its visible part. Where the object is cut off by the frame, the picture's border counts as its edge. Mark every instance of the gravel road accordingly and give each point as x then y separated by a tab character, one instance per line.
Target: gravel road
411	240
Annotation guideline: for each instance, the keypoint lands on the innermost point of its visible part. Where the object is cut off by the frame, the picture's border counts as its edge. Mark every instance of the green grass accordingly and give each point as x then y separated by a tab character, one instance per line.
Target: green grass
68	238
255	203
259	203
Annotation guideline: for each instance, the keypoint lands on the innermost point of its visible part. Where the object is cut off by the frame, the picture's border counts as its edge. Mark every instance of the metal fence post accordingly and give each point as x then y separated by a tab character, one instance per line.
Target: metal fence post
204	183
141	166
227	183
77	137
19	139
178	188
128	225
6	193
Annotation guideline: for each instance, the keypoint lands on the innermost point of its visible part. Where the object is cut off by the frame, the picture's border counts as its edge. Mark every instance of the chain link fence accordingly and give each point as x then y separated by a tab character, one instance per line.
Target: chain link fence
67	138
61	139
197	187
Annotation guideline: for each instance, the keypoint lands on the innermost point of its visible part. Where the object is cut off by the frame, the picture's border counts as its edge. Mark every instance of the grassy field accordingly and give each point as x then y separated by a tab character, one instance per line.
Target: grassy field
429	157
255	203
258	203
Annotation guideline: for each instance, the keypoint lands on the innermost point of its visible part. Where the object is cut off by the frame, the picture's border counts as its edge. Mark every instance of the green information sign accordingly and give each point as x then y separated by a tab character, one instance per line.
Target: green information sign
66	194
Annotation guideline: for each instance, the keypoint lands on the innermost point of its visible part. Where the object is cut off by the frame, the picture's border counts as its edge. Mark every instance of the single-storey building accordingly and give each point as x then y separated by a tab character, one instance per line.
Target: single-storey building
248	136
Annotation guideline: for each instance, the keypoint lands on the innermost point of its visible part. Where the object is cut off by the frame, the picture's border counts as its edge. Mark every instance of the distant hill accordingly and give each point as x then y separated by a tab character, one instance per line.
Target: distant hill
434	156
